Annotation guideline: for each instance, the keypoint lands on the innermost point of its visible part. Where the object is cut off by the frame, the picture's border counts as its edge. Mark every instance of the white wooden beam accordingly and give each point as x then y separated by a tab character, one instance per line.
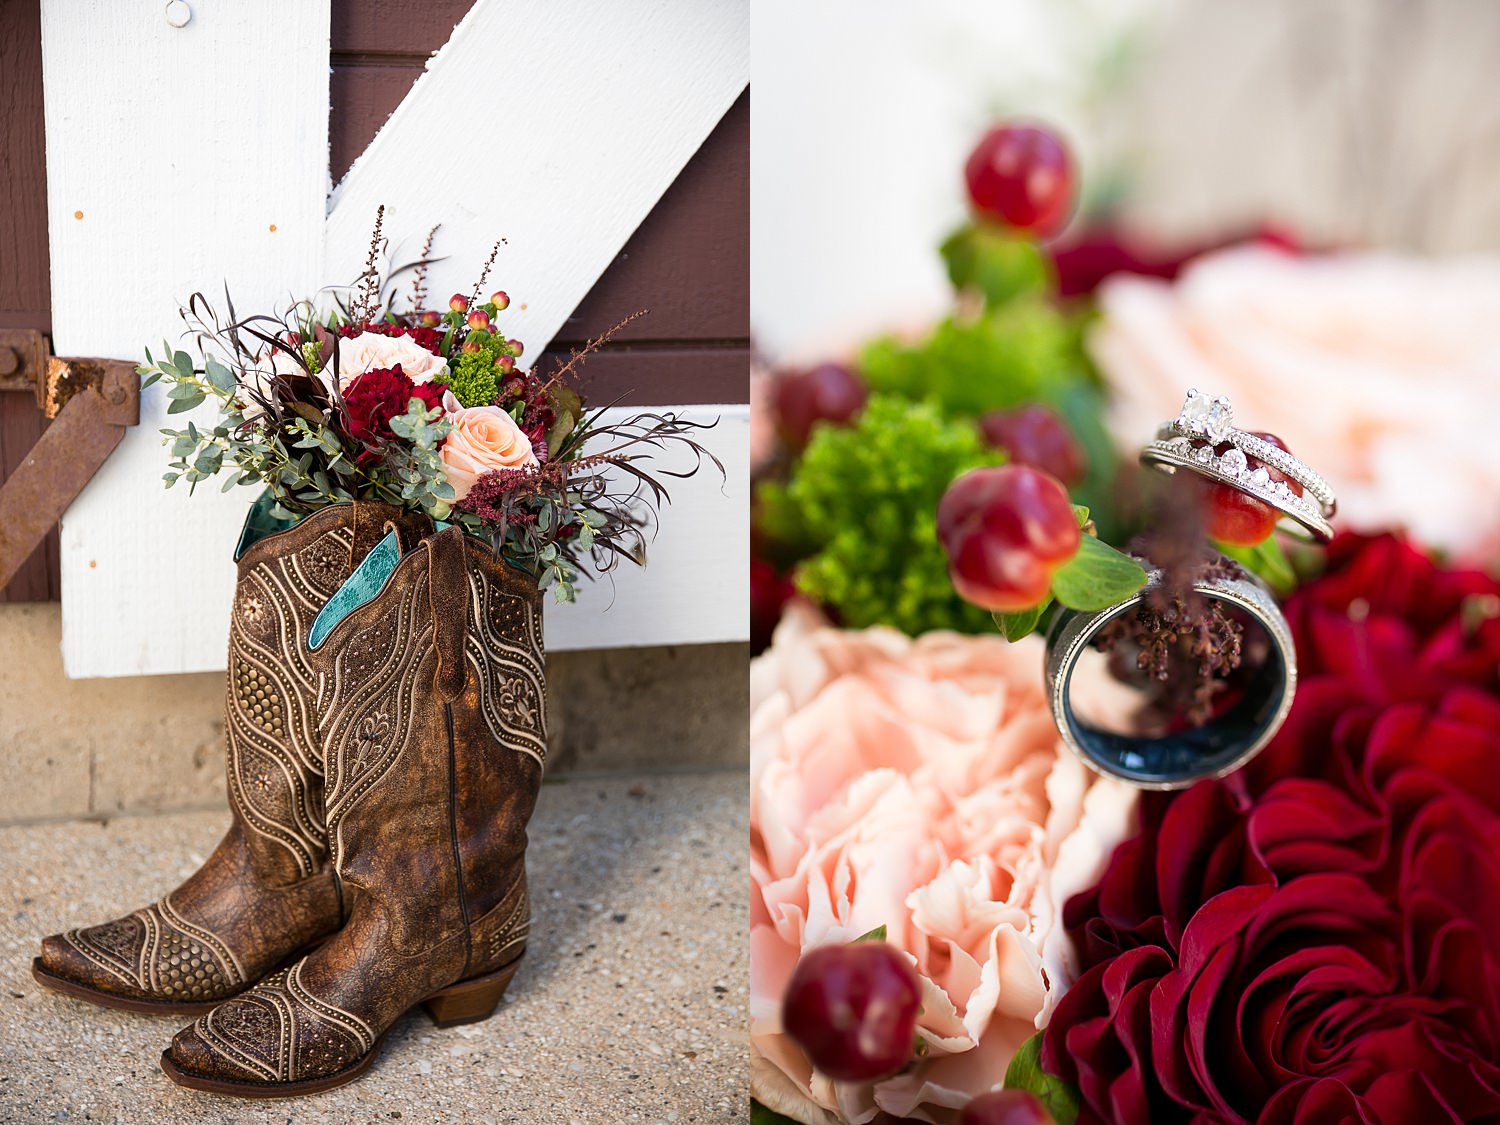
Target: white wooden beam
579	115
177	159
695	586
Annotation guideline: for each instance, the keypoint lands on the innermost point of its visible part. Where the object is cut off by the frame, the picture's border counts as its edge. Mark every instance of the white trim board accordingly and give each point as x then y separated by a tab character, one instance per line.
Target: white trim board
695	586
183	149
597	107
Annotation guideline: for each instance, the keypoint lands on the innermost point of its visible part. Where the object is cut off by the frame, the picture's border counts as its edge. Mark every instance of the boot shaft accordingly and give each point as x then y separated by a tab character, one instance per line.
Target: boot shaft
274	763
435	741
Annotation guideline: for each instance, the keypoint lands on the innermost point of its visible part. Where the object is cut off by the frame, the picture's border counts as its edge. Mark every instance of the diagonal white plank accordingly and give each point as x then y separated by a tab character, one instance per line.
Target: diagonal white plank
177	159
555	124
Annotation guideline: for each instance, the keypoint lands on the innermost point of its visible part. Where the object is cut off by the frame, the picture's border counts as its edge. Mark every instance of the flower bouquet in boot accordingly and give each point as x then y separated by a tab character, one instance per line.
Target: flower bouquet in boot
385	711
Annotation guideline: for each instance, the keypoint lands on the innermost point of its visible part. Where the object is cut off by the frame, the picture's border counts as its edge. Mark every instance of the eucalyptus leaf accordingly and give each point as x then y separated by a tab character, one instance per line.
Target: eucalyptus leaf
183	405
219	377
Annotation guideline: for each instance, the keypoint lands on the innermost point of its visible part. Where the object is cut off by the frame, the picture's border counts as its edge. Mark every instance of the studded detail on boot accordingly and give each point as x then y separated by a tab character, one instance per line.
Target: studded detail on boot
267	891
435	741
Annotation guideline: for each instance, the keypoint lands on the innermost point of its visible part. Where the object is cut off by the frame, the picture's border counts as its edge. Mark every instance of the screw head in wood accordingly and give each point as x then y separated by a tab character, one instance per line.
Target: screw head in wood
178	13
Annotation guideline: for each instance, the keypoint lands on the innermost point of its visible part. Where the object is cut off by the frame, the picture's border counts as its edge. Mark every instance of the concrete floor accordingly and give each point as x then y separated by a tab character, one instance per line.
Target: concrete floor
630	1006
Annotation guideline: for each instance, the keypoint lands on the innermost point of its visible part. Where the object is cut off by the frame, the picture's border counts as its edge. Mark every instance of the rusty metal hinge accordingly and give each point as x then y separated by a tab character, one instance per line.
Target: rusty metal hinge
91	402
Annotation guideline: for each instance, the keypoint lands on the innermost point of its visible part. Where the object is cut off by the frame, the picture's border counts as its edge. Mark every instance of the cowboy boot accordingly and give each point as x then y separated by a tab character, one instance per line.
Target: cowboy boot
267	891
435	741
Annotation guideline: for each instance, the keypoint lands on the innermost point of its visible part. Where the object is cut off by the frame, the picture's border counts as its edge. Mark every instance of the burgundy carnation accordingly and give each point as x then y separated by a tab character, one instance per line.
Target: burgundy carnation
1317	939
371	400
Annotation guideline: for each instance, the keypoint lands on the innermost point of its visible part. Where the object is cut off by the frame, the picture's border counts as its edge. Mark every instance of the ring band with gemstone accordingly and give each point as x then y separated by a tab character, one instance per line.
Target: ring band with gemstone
1192	440
1178	758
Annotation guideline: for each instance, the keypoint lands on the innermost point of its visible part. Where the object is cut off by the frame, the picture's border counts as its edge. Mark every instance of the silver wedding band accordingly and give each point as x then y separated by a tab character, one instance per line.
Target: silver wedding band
1178	759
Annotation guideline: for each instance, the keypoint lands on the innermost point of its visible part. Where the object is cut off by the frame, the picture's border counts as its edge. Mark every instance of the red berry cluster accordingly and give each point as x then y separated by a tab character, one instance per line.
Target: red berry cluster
1006	530
829	392
1022	176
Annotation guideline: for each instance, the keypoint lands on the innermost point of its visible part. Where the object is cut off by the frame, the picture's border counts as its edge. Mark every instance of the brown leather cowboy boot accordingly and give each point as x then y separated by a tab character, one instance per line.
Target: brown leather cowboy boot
267	891
435	740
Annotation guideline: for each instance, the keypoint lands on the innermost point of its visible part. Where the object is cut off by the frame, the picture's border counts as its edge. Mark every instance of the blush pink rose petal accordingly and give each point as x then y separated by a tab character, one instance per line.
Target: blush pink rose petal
919	785
483	439
371	351
1369	366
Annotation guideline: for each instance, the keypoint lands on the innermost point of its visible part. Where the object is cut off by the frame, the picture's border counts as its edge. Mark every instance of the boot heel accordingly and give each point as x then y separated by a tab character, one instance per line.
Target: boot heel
470	1001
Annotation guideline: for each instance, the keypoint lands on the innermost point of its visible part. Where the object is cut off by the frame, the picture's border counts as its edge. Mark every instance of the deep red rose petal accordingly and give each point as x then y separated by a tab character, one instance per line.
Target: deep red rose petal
1302	826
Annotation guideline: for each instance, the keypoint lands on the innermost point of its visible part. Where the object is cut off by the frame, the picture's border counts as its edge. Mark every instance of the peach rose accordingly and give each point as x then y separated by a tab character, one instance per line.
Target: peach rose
1378	370
483	438
919	785
370	350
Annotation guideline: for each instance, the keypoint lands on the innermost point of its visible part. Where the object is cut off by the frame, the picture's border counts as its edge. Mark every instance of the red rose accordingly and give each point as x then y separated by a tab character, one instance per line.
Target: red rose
1317	939
371	400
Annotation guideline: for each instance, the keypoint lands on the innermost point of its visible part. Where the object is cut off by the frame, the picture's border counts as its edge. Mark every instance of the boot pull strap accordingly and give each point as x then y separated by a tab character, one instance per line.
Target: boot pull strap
448	595
369	529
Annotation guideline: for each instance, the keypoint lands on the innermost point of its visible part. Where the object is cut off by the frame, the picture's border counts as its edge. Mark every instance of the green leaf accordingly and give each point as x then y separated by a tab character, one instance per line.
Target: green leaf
219	377
1081	513
1096	577
1265	559
877	934
1014	626
996	262
1025	1072
182	405
760	1115
183	363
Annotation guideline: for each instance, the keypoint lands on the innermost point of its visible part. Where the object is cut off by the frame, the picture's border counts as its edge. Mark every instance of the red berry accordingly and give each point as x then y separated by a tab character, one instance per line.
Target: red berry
1023	176
829	393
1033	435
458	303
1230	516
853	1009
1006	1107
1005	531
500	300
516	347
479	320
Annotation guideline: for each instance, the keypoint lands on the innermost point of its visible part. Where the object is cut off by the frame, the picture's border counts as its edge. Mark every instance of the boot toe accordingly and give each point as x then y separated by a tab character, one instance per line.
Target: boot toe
62	957
198	1058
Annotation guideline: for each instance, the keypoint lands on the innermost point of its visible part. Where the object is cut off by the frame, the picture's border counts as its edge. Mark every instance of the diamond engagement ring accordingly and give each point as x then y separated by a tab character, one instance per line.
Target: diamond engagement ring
1205	425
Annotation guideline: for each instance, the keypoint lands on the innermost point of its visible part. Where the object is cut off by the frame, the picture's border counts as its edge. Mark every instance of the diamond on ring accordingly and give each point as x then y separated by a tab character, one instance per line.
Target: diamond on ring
1204	425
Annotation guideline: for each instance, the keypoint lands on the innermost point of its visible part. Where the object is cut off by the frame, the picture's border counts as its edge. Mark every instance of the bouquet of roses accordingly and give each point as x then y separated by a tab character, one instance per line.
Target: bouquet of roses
376	398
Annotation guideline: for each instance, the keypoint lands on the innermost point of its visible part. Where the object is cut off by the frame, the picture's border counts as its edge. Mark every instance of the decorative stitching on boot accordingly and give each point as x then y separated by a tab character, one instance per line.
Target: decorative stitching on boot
283	1033
512	679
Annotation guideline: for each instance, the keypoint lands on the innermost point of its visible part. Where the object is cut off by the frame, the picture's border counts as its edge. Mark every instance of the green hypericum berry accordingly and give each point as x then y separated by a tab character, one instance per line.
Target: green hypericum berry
472	379
312	355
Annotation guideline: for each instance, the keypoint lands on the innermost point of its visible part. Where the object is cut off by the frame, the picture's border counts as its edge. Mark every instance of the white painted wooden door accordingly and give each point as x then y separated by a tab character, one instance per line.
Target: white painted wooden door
182	159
